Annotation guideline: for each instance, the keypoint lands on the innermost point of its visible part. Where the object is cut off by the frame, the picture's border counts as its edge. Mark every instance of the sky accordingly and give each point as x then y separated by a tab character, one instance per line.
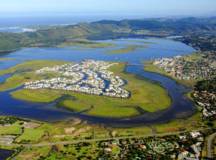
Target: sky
145	8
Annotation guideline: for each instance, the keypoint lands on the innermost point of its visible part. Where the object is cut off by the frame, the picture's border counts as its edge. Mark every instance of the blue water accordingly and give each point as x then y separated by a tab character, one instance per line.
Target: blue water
157	48
5	154
181	106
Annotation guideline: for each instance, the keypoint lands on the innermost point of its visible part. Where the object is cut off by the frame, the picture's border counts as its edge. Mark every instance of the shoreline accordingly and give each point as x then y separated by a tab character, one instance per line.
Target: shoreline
129	75
149	67
8	51
138	69
104	118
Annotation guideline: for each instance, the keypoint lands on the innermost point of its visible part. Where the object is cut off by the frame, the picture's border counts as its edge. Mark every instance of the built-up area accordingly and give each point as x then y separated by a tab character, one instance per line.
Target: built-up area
184	68
197	67
89	76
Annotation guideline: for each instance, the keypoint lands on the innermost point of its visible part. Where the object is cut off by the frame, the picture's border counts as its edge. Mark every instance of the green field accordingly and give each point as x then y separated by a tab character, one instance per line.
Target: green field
35	95
31	66
13	129
24	72
31	135
33	153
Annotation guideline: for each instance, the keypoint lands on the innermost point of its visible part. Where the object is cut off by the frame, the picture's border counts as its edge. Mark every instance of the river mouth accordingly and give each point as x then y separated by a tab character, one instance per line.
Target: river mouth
181	107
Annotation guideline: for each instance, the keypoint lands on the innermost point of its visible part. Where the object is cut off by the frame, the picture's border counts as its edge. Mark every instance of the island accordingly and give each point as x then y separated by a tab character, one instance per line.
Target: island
126	49
97	87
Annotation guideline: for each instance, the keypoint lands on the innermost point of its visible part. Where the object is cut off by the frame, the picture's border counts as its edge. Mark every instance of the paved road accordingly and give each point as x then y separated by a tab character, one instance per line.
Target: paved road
210	145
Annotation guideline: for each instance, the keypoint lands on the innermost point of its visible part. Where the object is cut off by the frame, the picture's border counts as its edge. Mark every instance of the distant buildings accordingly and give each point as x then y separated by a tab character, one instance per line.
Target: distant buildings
189	68
186	145
194	67
91	77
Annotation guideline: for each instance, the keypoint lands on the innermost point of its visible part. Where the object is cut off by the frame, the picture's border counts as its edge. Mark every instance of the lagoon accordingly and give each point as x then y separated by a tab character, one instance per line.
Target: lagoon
156	48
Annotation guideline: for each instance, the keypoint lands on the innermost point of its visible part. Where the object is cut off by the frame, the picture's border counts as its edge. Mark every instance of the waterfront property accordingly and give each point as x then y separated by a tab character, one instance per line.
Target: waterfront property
198	68
194	67
91	77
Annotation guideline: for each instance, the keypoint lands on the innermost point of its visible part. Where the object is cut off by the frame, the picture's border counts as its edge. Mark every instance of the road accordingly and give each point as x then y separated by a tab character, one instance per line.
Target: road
97	140
101	139
42	144
210	145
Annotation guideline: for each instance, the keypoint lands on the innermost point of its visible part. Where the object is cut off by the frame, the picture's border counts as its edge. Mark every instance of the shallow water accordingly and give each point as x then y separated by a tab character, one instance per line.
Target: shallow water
181	106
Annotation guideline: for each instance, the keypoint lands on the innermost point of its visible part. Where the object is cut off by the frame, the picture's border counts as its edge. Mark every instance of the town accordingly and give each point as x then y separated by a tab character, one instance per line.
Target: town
201	41
203	66
200	68
89	76
183	146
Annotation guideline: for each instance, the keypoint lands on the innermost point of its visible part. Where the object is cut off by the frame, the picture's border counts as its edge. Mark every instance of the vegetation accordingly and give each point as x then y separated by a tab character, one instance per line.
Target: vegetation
127	49
7	120
9	42
30	66
35	95
24	72
149	96
86	44
153	68
206	85
14	129
188	124
30	135
33	153
144	94
57	132
82	149
54	36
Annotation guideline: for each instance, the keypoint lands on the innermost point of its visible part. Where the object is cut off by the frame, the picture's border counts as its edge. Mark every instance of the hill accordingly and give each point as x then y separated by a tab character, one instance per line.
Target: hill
107	29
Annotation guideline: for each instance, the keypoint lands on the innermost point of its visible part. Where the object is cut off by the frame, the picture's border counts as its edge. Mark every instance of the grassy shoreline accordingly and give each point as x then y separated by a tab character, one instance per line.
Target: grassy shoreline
86	44
148	66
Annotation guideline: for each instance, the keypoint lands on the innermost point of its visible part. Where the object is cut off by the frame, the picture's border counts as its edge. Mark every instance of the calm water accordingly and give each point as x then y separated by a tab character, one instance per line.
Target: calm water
181	106
5	154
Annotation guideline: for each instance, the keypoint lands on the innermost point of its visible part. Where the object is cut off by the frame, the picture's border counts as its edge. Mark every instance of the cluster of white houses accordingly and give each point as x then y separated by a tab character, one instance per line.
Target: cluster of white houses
89	76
